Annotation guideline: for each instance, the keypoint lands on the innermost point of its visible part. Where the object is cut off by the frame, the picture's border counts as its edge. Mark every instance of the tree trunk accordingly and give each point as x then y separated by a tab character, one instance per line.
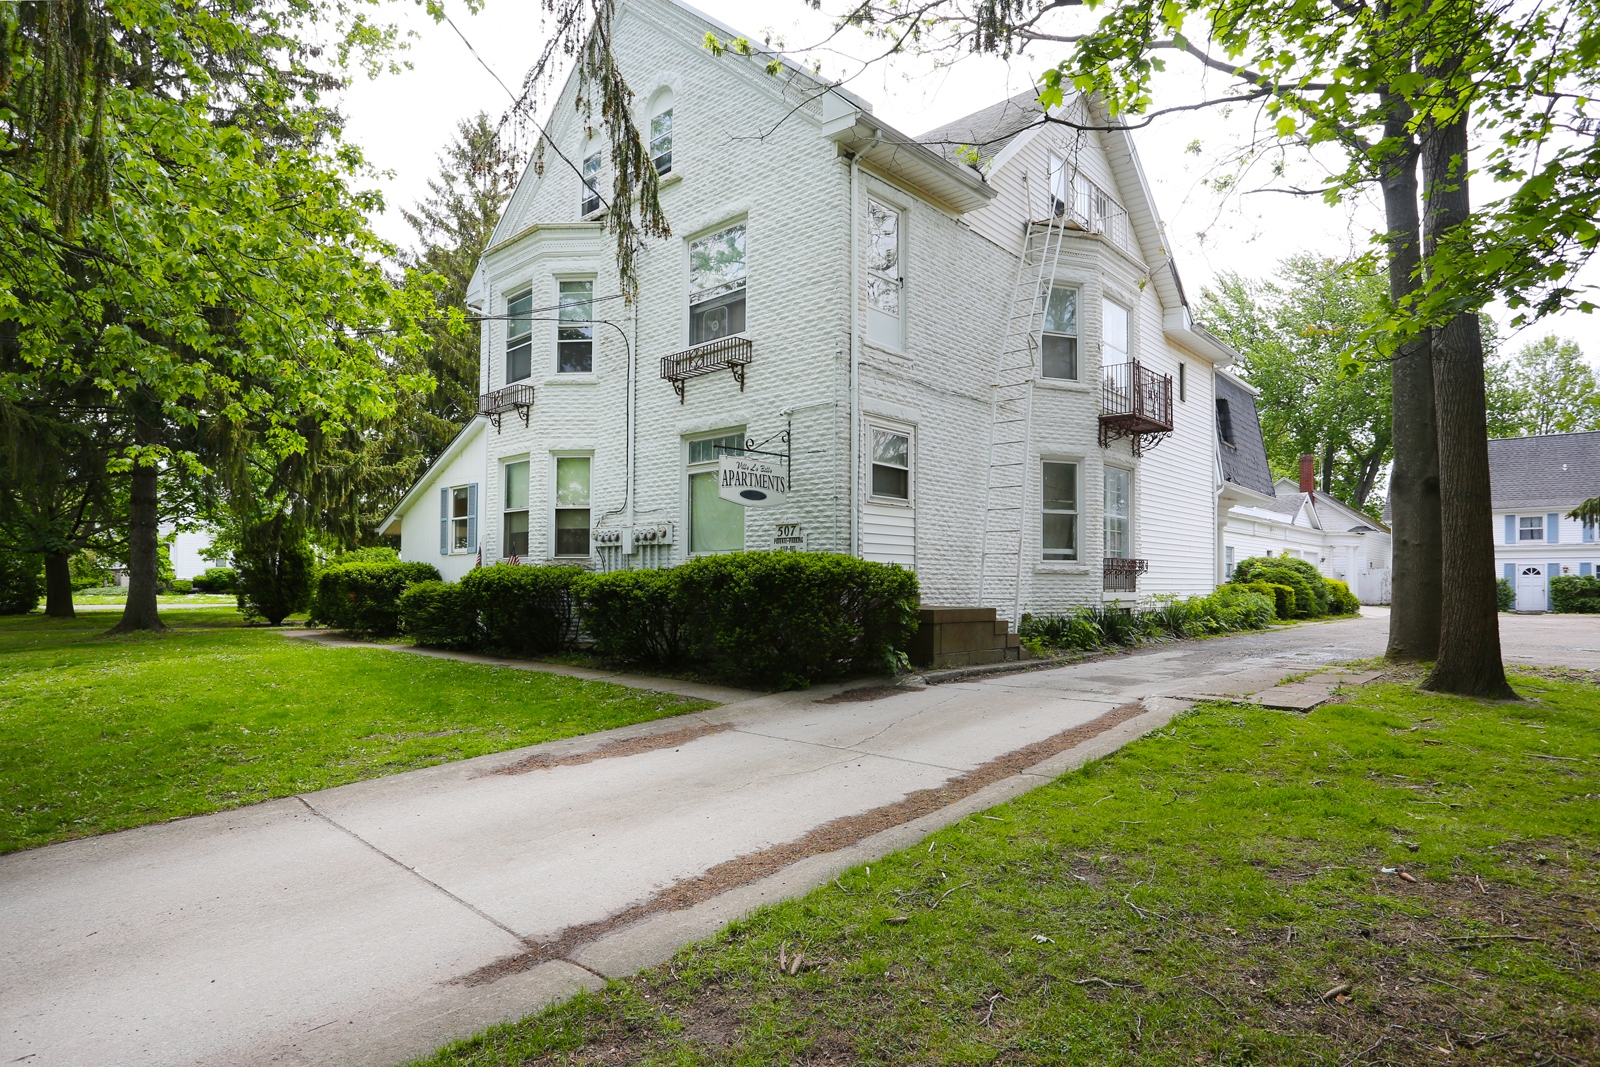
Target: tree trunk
1417	568
144	517
1469	640
58	585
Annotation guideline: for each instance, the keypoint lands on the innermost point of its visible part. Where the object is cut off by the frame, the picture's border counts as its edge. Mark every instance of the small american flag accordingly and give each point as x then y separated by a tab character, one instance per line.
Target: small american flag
480	557
515	562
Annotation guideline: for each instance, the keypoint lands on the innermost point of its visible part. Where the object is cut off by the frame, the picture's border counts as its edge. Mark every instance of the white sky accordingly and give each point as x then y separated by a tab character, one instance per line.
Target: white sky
402	121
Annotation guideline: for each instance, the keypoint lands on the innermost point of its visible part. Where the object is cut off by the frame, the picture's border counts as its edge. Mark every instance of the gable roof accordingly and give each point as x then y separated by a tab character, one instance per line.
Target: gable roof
1244	463
1324	510
986	131
1559	470
463	437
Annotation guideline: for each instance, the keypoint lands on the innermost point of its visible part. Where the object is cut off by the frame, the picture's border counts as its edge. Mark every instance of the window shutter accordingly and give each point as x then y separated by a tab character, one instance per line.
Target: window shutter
444	522
1511	529
472	517
1588	532
1552	528
1511	572
1585	570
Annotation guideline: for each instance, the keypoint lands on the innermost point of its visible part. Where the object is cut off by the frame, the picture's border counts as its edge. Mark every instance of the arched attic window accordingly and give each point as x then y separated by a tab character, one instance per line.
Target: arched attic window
590	202
661	132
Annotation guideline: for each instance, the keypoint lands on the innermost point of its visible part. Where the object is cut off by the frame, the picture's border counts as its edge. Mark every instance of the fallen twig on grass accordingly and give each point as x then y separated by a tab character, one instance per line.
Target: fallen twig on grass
947	892
1212	995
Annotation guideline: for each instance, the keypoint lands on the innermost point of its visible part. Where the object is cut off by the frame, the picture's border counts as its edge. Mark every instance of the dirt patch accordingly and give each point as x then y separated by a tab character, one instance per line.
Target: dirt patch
633	746
829	837
869	692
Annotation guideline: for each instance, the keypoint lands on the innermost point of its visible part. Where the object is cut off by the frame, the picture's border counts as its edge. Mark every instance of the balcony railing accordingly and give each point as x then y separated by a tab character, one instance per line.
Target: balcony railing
731	354
1122	574
1083	205
1135	402
518	398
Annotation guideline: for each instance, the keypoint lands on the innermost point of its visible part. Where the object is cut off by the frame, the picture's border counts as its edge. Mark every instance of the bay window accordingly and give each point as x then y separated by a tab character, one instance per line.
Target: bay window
1060	347
1118	512
519	337
1113	333
514	518
574	330
572	505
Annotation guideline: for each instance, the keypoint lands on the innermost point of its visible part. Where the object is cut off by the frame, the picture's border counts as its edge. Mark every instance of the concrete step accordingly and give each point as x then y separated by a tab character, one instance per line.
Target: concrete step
963	637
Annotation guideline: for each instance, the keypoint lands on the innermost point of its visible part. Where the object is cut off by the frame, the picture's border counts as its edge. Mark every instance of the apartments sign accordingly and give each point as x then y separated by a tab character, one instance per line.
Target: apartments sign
752	481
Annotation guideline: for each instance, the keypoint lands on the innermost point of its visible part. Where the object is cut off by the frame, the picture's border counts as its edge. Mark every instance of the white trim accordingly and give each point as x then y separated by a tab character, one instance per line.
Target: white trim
451	451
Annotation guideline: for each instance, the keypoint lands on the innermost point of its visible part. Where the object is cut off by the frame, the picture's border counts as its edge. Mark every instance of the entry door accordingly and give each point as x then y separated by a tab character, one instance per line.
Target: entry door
1531	588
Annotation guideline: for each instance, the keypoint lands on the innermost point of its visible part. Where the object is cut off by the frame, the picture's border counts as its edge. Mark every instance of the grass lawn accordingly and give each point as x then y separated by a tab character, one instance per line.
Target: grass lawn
102	733
1213	894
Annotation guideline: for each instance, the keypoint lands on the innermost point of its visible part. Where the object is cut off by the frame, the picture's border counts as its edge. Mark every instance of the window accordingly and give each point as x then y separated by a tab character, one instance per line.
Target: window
1060	511
661	133
891	465
1060	347
1060	191
884	281
716	285
1224	421
458	519
715	524
572	505
514	522
1530	528
1113	334
1183	382
1119	516
519	337
574	330
591	185
1227	563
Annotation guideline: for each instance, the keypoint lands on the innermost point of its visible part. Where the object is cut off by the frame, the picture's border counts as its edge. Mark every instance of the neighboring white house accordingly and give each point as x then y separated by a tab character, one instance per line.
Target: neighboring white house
1533	483
1263	517
968	353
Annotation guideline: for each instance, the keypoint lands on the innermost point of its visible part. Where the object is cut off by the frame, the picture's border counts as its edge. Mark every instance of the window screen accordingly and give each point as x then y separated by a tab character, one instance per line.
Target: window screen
717	285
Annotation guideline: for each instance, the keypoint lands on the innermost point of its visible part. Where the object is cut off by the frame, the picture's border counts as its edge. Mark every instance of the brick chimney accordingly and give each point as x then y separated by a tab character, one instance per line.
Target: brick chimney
1308	474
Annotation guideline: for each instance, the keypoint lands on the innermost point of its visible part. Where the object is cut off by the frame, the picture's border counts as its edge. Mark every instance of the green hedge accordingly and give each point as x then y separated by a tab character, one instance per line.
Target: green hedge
364	598
216	580
1281	597
634	617
1575	593
436	615
1503	593
522	610
21	582
1341	600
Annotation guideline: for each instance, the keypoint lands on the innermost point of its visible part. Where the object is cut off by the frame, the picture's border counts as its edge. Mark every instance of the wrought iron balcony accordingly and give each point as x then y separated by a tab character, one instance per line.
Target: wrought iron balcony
731	354
518	398
1135	402
1122	574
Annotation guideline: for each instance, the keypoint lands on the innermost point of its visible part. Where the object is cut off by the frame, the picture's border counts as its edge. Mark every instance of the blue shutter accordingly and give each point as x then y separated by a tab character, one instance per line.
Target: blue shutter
1585	570
1511	529
1552	528
1511	572
444	522
472	517
1588	533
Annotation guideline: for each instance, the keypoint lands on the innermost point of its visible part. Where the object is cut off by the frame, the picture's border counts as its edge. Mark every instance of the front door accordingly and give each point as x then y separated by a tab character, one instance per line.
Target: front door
1531	588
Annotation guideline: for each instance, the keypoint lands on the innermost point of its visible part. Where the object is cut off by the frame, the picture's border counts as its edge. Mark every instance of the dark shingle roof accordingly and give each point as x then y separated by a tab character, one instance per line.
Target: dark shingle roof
1244	463
1558	470
987	131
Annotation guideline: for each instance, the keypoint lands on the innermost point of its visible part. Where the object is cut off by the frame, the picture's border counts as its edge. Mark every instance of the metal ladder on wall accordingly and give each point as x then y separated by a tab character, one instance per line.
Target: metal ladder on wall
1011	413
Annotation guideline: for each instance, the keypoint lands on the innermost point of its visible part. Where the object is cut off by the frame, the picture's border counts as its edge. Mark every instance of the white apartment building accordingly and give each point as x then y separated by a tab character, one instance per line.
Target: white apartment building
967	352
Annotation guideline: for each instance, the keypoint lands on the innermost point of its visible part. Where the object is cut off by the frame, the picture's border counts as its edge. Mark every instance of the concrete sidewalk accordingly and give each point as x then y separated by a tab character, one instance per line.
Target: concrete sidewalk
342	926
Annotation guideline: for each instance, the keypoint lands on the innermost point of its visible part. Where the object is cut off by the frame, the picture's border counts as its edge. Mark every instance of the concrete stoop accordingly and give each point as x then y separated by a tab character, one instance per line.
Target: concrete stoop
964	637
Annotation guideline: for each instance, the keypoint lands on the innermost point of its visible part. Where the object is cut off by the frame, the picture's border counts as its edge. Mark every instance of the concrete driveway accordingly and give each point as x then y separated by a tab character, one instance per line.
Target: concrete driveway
369	924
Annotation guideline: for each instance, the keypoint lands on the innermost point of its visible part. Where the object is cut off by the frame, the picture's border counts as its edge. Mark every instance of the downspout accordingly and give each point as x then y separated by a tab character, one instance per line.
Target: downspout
855	372
633	362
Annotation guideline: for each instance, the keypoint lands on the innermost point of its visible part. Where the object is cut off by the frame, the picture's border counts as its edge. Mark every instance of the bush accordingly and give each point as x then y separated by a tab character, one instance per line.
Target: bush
1243	608
1277	571
364	598
1503	593
1341	601
523	610
1077	629
182	586
363	555
1280	596
274	563
436	615
216	580
21	582
1575	593
633	617
790	618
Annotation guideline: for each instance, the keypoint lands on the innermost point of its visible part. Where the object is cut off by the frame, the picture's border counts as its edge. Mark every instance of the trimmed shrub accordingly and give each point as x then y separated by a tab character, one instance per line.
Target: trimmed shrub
215	580
523	610
1240	608
364	598
274	563
1341	601
436	615
634	617
1503	593
789	618
1575	593
363	555
1307	604
21	582
182	586
1281	596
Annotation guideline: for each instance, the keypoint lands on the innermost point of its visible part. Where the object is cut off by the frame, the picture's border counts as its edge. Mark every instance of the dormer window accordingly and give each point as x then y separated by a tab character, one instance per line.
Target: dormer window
1224	421
716	285
661	133
591	185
